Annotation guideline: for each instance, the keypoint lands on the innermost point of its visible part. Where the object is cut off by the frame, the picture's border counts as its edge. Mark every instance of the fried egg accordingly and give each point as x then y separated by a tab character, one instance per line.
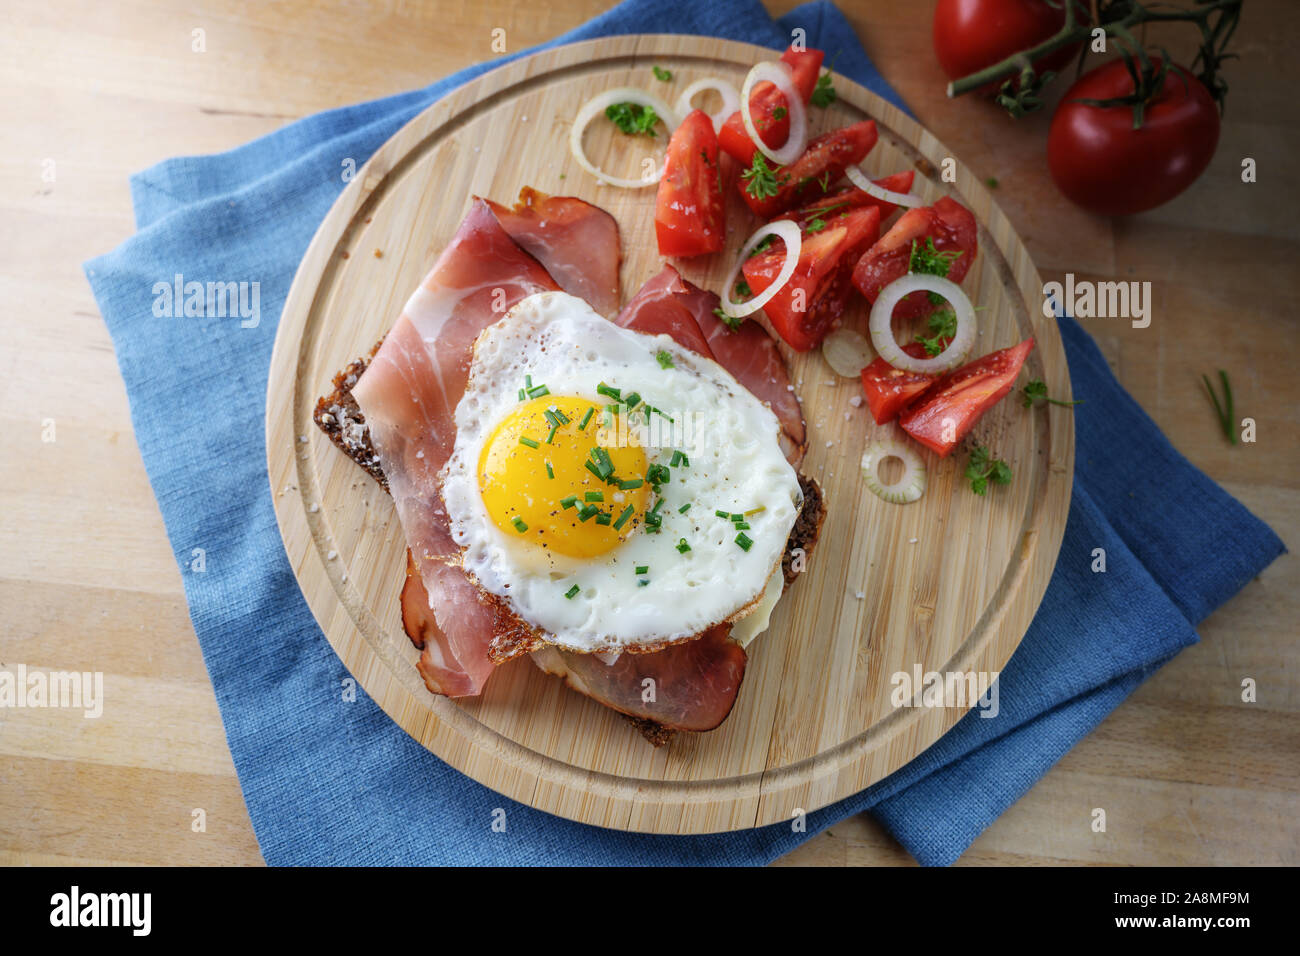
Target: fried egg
613	489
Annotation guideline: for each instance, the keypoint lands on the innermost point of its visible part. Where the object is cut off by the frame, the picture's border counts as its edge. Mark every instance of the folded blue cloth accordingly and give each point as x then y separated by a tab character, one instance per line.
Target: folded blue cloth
341	783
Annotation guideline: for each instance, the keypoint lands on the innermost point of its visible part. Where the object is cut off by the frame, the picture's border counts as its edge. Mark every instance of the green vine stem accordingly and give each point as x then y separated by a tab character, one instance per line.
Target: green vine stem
1216	19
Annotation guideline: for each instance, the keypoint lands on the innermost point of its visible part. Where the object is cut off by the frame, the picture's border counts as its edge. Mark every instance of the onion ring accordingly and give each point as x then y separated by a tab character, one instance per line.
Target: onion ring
779	75
788	232
595	107
882	332
730	99
858	178
910	487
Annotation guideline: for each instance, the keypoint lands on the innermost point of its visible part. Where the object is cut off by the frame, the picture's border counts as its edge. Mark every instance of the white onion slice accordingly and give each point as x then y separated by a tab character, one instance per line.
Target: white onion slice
910	487
730	99
847	352
596	107
778	74
882	332
858	178
788	232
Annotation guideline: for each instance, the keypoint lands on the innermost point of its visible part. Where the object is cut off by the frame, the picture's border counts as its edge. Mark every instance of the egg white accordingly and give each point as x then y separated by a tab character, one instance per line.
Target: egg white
736	465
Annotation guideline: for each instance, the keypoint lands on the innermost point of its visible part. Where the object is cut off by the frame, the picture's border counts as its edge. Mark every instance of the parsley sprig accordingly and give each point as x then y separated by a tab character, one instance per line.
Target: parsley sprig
983	468
633	118
730	321
761	181
944	326
664	76
927	260
823	93
1036	390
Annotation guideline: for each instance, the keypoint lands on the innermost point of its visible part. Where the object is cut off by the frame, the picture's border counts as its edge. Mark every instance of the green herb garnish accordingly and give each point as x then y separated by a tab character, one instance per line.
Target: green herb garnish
518	522
730	321
1226	413
633	118
984	467
664	359
944	326
1037	389
682	546
760	178
571	592
664	76
525	440
823	93
744	541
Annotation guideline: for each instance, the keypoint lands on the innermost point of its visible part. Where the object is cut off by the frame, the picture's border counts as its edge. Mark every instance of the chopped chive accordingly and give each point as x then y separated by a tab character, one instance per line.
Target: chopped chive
568	502
522	395
633	400
594	496
603	518
582	425
723	514
537	391
603	389
550	472
571	592
623	519
586	512
552	418
741	525
754	511
744	541
642	583
658	504
519	524
591	467
528	381
525	440
736	517
643	569
684	508
682	546
630	484
550	436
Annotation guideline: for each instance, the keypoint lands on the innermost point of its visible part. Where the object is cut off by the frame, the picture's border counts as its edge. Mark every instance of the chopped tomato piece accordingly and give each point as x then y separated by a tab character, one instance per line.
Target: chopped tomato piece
946	413
948	224
813	173
889	390
689	215
768	108
852	197
812	301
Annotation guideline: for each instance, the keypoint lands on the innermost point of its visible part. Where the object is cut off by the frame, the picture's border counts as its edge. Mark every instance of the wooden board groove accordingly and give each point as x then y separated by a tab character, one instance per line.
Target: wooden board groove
811	725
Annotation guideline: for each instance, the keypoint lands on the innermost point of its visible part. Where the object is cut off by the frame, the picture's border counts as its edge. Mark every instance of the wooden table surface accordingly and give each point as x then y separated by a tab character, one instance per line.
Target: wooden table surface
93	91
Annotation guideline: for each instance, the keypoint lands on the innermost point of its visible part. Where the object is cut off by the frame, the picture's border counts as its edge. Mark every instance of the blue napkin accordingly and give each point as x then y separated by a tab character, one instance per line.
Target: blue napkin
328	781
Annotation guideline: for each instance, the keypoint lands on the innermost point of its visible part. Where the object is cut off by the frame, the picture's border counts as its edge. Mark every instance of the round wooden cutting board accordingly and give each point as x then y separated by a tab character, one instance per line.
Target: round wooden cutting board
949	583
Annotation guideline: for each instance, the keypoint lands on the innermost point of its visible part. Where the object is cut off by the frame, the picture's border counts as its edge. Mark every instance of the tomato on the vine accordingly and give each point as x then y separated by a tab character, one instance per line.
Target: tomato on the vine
970	35
1100	162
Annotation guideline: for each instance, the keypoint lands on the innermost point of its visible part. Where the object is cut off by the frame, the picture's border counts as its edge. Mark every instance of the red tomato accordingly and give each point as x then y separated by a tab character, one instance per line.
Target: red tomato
1100	162
824	161
970	35
809	305
946	413
765	99
689	215
852	197
889	390
949	224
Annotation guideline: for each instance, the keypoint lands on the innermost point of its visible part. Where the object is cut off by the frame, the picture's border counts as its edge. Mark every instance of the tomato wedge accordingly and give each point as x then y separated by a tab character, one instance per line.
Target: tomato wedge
947	412
852	197
812	174
889	390
808	306
764	100
689	216
949	224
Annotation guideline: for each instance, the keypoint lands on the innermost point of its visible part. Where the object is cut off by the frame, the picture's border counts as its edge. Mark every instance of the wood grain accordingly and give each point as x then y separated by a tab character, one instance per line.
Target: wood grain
105	91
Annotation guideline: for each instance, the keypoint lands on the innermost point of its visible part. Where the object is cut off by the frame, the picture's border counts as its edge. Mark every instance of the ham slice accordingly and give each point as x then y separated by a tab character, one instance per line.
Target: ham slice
669	304
576	242
695	684
409	394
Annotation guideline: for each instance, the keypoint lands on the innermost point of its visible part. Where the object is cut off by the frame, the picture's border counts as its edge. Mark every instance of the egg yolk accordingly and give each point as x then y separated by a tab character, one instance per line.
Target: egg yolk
540	476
